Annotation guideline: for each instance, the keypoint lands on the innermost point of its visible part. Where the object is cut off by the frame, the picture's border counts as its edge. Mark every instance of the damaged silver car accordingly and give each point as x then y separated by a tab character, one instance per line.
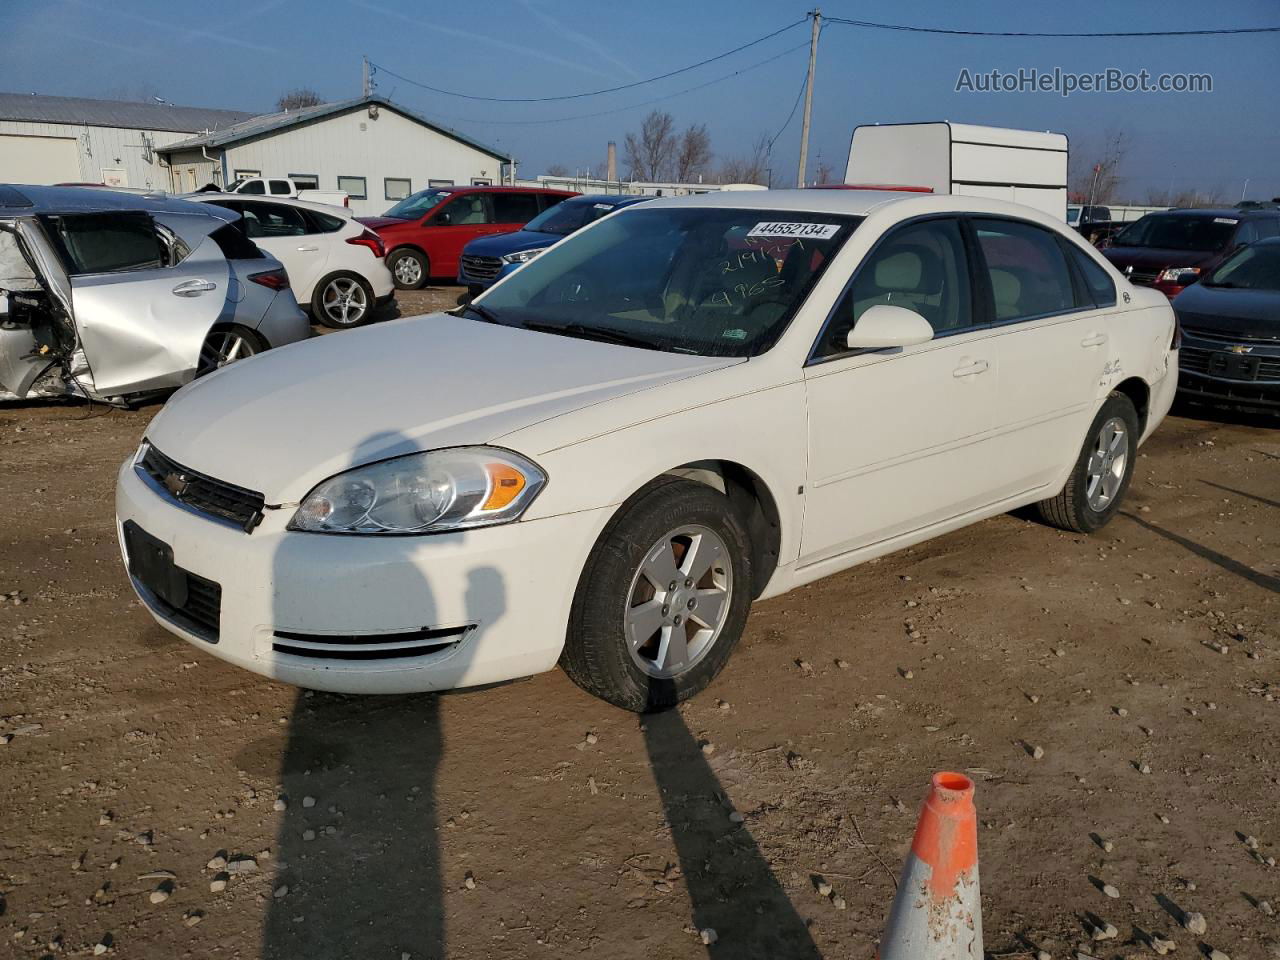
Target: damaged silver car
112	296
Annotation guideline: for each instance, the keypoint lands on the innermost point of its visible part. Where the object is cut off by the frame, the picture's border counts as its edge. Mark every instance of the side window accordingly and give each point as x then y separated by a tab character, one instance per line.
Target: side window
1028	272
109	242
253	186
1097	282
279	220
322	222
234	244
1246	233
280	188
1268	227
514	207
464	210
921	266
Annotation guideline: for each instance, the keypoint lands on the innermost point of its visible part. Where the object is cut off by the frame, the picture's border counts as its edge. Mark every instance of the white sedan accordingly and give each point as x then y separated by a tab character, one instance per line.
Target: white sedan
335	264
692	404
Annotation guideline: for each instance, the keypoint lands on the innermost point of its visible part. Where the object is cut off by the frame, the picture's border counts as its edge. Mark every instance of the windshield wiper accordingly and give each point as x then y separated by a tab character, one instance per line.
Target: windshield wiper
484	313
605	334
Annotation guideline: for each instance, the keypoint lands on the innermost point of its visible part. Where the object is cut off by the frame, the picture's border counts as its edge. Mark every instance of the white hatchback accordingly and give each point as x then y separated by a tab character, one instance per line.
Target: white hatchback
692	404
335	264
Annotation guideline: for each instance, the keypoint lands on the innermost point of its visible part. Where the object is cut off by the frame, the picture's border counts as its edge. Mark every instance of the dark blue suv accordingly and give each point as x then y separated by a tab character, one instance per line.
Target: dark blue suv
486	260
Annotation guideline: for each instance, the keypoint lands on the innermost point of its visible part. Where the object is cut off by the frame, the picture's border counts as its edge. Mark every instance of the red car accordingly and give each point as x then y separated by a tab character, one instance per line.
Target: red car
425	232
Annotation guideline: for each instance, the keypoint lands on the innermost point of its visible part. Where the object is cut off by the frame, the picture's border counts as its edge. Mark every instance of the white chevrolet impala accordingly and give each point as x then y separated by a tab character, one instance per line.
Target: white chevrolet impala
693	404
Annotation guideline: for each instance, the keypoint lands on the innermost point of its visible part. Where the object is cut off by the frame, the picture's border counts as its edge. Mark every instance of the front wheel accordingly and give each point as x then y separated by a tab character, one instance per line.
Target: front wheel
662	600
342	300
409	269
1102	472
226	345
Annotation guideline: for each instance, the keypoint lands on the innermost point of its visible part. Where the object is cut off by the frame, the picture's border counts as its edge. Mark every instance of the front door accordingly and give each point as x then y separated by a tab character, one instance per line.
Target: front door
896	437
141	318
457	223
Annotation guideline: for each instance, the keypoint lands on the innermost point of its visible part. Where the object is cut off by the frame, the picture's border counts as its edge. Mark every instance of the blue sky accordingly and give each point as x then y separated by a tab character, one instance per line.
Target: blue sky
251	52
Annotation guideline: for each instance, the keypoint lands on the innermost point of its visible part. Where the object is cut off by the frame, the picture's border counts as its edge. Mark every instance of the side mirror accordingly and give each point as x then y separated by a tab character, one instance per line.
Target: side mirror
443	219
887	326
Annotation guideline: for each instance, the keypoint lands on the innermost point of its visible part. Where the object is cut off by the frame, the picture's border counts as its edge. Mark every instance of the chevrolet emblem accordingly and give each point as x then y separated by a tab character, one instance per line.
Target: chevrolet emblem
176	483
1240	348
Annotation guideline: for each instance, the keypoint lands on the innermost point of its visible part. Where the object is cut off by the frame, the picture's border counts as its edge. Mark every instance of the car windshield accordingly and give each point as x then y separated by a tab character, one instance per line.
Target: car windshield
417	204
234	185
1253	268
569	215
704	280
1178	232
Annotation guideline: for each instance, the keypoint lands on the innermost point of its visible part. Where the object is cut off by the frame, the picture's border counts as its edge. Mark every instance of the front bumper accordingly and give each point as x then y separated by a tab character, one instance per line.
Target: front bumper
375	614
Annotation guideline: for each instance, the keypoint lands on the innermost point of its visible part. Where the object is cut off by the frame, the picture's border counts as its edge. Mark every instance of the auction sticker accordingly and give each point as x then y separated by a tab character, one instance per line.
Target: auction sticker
808	231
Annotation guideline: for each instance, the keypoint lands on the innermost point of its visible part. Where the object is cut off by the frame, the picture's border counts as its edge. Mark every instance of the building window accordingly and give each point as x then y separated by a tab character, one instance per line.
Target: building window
353	187
246	174
439	183
396	188
305	181
482	181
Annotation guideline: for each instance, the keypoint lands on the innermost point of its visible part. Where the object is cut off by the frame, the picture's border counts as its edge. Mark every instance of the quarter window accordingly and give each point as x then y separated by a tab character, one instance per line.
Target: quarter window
514	207
1097	282
922	267
1027	269
280	188
353	187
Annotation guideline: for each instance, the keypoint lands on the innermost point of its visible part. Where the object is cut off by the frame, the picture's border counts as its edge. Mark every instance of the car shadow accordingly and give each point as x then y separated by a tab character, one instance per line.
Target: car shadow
1242	493
731	887
357	859
1266	581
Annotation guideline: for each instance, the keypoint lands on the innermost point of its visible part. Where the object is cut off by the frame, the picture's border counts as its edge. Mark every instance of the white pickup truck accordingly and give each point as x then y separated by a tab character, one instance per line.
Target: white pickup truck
283	187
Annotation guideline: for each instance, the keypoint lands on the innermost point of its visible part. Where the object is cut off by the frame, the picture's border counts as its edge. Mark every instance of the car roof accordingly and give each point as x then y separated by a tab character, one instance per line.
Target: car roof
613	199
1232	212
210	197
500	189
26	200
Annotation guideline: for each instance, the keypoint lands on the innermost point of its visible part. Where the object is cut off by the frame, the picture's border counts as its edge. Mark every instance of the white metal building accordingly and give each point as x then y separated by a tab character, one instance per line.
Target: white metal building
79	140
647	188
377	151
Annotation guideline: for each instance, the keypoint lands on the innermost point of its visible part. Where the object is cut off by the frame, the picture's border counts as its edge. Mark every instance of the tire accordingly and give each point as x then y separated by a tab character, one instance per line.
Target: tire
1098	482
609	650
410	268
342	301
240	342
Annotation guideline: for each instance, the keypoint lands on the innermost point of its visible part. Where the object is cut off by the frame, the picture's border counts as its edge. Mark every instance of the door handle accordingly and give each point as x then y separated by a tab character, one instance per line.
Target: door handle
194	288
308	249
971	369
1094	340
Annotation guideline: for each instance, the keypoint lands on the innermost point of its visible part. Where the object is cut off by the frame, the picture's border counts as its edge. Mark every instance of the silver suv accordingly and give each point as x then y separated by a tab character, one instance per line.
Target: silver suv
110	295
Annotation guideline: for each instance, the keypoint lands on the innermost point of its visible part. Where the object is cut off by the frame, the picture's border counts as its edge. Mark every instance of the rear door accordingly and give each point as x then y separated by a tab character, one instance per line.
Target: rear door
511	211
284	232
144	300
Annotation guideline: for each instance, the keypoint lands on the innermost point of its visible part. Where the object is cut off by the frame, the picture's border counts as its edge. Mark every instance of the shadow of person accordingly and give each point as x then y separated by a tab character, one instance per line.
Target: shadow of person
358	860
731	886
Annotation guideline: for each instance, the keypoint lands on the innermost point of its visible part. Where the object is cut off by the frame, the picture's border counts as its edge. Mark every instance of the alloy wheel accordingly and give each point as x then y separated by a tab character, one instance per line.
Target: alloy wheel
678	601
1104	473
408	270
223	347
344	300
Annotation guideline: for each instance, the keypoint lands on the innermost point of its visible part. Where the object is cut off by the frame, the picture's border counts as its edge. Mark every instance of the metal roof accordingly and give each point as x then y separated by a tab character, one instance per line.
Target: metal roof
83	111
272	122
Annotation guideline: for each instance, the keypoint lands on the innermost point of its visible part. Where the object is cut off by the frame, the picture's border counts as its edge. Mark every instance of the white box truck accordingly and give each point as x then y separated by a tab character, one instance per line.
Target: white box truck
1024	166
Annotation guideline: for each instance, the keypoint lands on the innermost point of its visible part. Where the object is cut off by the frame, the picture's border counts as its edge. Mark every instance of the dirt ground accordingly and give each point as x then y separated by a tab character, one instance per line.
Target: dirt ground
529	820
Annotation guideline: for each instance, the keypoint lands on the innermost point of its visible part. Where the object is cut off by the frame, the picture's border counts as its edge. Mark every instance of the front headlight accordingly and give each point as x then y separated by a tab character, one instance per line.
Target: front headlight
523	256
432	492
1171	274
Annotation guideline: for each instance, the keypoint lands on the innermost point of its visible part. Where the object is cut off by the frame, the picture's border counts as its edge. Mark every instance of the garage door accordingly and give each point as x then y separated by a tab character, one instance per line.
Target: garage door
39	159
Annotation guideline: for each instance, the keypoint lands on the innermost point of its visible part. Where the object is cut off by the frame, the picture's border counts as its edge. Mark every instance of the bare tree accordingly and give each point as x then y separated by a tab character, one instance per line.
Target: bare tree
694	154
298	99
1095	177
751	167
557	170
822	173
649	154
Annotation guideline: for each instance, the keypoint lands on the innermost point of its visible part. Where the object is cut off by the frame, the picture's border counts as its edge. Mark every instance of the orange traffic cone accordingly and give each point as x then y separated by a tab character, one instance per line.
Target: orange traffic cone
937	914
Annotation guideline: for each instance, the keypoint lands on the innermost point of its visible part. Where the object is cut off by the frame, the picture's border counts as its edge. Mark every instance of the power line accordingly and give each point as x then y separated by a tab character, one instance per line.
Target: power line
1006	33
804	82
633	106
593	93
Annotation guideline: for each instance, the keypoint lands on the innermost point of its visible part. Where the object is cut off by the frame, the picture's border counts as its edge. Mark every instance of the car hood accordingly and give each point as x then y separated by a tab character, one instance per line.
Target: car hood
281	422
504	243
1155	258
1241	313
381	223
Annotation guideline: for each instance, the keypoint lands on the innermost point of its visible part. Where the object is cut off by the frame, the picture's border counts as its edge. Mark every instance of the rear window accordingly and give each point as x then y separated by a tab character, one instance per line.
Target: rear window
234	244
323	222
108	242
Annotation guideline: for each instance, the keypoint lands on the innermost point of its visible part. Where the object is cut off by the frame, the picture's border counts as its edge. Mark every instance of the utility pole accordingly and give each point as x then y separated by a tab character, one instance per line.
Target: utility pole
1244	189
366	85
816	14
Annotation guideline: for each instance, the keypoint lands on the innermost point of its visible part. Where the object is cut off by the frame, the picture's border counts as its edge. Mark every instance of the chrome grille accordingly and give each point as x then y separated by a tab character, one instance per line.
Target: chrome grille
1193	359
199	493
1143	277
481	268
378	646
1221	336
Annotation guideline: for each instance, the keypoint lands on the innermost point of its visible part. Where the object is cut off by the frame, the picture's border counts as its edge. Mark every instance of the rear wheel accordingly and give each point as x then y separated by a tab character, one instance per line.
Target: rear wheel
342	300
226	345
409	268
662	600
1102	472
